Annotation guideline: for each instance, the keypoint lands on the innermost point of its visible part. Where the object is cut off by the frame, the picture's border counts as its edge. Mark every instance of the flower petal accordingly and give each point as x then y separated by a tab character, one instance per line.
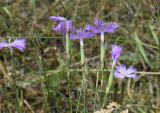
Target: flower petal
111	28
131	75
20	44
2	44
81	34
116	52
62	27
90	28
74	37
57	18
123	71
100	26
99	23
118	75
131	70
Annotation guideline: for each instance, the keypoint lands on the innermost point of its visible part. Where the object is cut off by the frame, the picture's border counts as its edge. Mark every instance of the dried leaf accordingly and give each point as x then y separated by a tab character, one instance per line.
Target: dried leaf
113	105
110	108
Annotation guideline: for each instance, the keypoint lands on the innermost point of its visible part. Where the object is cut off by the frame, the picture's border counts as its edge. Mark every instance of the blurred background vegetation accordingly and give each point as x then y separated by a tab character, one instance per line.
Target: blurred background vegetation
138	35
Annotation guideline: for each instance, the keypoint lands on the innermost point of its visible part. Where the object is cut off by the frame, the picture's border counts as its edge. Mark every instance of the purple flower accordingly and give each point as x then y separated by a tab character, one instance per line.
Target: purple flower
81	34
90	28
111	28
100	26
20	44
2	44
122	72
116	52
62	25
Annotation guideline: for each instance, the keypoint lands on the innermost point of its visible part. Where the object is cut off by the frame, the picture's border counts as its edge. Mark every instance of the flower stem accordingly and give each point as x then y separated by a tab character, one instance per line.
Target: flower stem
84	87
96	92
82	52
110	80
43	72
83	72
67	41
17	91
102	56
68	63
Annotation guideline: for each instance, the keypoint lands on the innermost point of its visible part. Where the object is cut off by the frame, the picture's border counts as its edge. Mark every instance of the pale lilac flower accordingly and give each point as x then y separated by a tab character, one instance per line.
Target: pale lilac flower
111	27
116	52
62	25
100	27
20	44
2	44
90	28
122	72
81	34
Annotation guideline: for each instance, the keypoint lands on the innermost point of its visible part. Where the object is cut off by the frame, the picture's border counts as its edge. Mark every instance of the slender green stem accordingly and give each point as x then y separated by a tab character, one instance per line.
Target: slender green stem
102	56
83	72
79	99
48	6
45	97
122	92
83	82
66	13
82	52
102	50
67	41
68	63
17	91
96	92
70	96
21	99
43	72
110	80
84	87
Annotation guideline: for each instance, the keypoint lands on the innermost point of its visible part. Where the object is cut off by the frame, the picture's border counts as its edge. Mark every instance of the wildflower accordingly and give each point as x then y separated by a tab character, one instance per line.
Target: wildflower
111	28
122	72
63	25
100	26
81	34
116	52
20	44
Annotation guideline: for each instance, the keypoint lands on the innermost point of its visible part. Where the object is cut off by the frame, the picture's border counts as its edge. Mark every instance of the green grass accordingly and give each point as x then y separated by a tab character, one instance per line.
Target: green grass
46	80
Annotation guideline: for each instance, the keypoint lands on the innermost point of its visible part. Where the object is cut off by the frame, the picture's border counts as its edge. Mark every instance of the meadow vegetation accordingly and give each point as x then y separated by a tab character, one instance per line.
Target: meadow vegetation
49	74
